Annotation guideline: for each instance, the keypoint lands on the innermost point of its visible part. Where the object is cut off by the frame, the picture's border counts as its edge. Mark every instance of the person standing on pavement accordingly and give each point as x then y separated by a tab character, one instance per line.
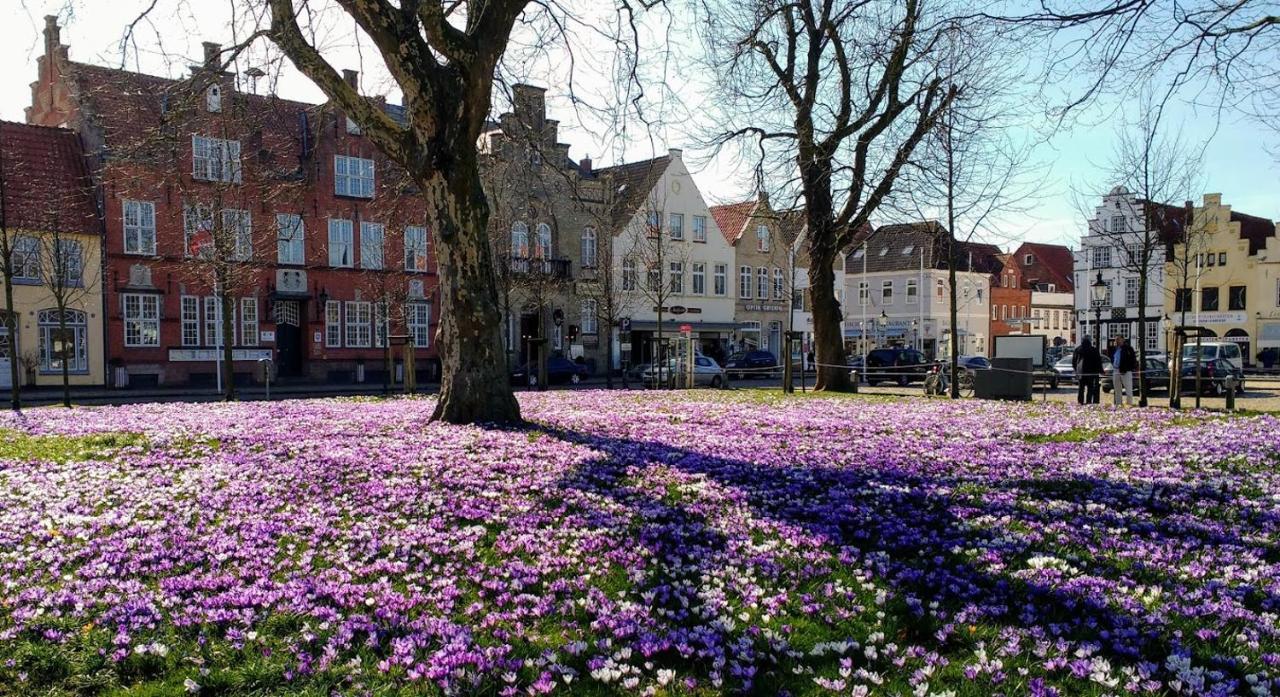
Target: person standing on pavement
1123	363
1087	362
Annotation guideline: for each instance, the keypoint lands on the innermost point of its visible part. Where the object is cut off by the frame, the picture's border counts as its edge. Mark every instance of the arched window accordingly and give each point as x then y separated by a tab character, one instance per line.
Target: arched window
519	240
588	247
544	242
58	345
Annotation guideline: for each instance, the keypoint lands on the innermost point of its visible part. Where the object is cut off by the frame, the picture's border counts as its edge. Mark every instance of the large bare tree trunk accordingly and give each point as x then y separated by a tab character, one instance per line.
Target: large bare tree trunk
832	376
474	383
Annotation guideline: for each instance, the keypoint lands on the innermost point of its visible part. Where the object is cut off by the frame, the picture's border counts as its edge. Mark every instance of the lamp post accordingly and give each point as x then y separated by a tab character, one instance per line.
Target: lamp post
915	334
1175	365
882	323
1099	293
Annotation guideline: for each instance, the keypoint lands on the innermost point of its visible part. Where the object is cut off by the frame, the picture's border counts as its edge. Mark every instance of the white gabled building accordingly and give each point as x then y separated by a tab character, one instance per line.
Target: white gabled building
660	218
1118	222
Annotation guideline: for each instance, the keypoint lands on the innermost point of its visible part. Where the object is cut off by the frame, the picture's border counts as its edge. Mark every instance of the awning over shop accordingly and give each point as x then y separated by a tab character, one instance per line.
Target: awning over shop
889	332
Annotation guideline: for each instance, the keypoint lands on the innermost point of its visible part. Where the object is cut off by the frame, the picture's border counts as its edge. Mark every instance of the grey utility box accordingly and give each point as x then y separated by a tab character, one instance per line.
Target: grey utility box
1009	378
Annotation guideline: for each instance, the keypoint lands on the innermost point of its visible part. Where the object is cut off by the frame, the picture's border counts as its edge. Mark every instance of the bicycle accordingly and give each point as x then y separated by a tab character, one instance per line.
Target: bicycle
937	384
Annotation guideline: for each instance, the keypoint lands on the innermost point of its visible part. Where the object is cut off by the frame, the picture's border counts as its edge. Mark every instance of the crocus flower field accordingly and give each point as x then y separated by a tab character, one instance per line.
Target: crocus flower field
639	543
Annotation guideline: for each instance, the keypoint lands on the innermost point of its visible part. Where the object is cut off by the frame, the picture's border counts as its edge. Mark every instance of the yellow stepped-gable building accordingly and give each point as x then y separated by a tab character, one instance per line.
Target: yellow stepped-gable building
1223	276
52	227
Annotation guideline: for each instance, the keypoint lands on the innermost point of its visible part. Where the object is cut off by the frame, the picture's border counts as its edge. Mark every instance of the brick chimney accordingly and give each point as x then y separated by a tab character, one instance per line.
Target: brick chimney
584	165
52	35
212	55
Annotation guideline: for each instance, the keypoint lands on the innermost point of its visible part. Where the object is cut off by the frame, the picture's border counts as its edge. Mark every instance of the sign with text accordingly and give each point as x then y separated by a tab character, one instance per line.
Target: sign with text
210	355
268	336
1220	318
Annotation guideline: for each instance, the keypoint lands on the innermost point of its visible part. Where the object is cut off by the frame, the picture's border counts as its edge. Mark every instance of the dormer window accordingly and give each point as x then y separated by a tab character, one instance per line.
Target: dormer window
884	251
1028	260
213	99
857	253
907	250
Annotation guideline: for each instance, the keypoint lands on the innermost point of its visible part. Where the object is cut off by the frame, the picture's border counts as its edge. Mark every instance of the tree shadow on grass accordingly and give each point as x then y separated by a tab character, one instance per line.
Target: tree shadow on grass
913	533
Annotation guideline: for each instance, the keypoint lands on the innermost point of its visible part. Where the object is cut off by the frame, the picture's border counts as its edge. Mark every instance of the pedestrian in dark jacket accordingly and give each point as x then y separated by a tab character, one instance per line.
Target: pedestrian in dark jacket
1087	362
1123	364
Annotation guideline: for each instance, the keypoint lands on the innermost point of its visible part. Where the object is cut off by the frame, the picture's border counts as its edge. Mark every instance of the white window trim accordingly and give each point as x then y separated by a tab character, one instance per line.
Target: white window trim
373	256
146	317
215	159
144	230
290	239
333	324
416	248
353	185
346	240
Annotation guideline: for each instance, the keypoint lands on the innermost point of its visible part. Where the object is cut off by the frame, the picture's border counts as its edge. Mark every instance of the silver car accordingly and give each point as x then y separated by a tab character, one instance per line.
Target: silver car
706	373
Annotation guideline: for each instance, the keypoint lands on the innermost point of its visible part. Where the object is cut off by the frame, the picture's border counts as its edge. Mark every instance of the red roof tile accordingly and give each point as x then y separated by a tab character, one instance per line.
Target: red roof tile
732	218
46	180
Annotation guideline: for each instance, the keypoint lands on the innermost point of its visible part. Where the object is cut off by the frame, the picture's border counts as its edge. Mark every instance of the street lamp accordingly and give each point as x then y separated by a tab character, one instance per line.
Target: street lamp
915	334
1099	290
1174	364
882	322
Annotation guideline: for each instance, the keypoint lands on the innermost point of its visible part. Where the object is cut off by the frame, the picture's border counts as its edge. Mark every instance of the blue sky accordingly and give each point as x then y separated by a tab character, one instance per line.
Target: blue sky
1236	162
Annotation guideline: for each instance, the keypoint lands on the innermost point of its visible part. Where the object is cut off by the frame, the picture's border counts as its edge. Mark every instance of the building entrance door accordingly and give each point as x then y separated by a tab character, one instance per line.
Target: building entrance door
6	361
288	338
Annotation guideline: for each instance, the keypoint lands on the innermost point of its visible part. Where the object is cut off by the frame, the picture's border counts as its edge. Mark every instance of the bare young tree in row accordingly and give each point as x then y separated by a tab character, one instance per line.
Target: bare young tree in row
1158	168
9	269
649	249
609	287
832	98
68	282
971	164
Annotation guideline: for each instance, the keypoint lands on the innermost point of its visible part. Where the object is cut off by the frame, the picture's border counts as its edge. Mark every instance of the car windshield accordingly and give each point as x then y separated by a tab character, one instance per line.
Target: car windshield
1205	352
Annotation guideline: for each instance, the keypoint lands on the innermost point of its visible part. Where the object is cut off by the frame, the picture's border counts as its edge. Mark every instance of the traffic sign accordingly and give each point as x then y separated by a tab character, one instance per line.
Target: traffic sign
686	329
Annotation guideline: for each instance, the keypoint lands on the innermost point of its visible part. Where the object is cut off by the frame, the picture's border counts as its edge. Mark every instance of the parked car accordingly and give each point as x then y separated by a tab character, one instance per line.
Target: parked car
750	364
1065	370
1213	376
559	370
900	365
706	372
1210	350
972	363
1156	372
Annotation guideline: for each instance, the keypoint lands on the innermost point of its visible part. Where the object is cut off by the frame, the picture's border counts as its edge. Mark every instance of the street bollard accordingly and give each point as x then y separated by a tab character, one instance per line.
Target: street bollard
1231	393
853	378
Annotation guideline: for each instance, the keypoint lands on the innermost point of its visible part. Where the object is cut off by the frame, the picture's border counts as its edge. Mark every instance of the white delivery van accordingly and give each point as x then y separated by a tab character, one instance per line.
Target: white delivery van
1226	350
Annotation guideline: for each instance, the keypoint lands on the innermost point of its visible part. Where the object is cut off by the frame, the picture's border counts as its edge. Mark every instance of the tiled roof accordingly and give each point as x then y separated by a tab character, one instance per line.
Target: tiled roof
898	247
1054	264
1254	229
632	183
732	218
47	184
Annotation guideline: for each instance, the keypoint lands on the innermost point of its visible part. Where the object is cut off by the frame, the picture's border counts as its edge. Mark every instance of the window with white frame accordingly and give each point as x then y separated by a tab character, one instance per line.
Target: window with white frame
213	99
352	176
1028	259
140	227
248	321
1101	257
864	293
519	240
380	318
1153	336
372	239
415	248
628	274
141	319
762	238
25	259
699	228
197	230
213	321
654	273
913	292
289	239
1117	223
359	323
215	159
675	225
1131	292
779	288
190	316
762	283
744	282
341	243
589	323
699	278
333	324
63	338
675	277
654	223
588	247
886	292
542	250
238	226
995	311
942	288
69	270
1119	329
418	322
721	284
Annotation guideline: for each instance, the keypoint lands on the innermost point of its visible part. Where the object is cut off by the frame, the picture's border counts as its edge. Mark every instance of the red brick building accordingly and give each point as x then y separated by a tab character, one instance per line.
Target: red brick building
317	238
1010	301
